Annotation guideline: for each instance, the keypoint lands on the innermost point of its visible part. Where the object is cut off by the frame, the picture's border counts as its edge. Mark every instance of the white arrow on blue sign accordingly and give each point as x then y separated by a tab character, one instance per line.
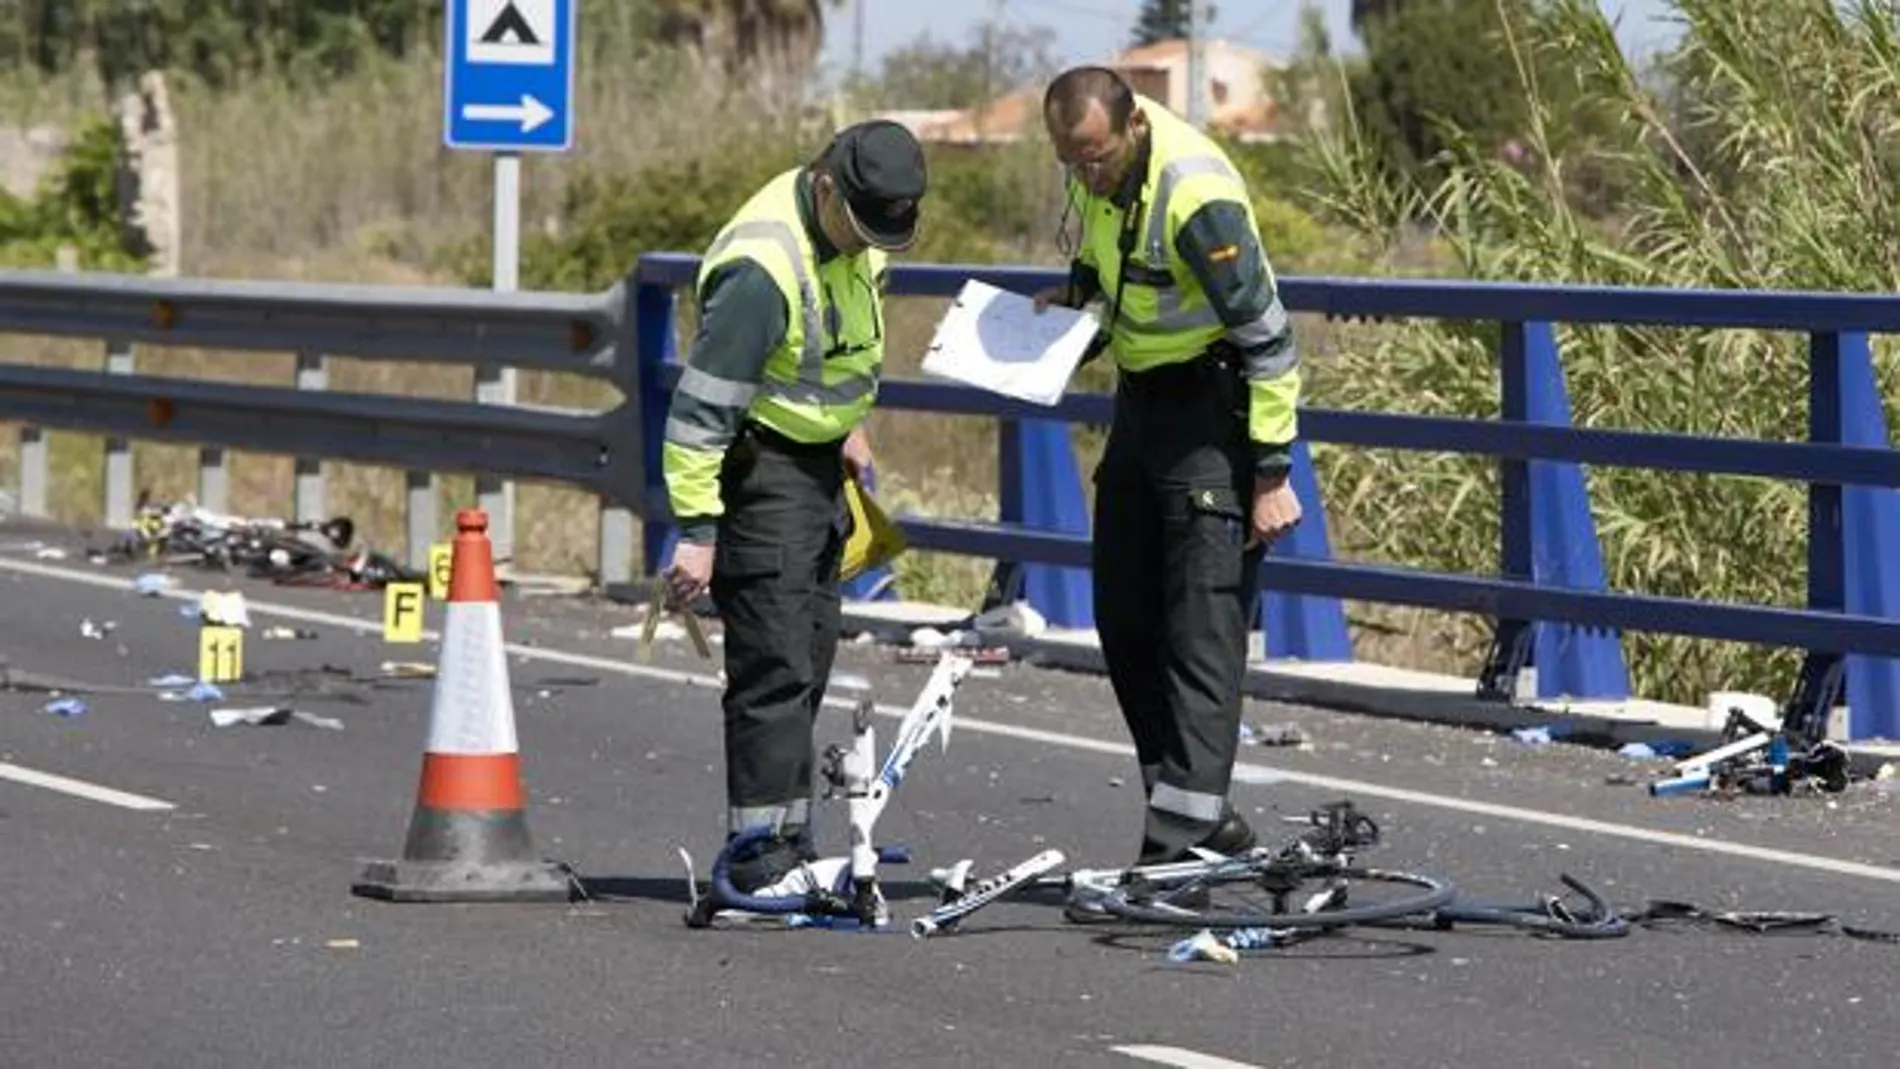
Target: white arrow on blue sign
508	83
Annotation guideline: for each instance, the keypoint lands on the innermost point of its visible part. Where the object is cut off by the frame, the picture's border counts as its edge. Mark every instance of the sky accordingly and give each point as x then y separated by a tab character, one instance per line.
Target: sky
1090	30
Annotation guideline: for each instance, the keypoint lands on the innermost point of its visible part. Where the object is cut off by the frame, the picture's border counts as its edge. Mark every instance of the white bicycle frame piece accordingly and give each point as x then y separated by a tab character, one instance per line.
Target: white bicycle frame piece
868	791
1086	885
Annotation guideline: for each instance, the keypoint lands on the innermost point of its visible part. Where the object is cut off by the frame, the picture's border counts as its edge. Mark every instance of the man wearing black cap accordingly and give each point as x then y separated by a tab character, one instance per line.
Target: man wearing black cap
766	420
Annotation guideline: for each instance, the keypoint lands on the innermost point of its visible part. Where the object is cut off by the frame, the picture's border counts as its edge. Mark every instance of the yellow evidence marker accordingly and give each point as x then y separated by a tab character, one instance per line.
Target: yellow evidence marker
220	654
402	612
441	557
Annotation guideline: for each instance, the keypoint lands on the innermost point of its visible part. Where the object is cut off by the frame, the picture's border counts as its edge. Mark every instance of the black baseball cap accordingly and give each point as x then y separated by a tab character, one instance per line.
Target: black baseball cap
879	167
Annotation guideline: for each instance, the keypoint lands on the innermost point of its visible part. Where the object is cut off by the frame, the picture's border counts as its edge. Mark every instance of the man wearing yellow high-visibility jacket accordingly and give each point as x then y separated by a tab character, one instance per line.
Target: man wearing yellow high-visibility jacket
765	423
1193	483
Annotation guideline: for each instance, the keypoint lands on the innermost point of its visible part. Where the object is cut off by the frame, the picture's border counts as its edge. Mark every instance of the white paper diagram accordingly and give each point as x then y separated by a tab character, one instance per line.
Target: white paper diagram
996	340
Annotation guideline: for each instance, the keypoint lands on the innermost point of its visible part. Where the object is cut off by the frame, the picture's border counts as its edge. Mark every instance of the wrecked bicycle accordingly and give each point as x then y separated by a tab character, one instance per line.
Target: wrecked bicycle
1312	884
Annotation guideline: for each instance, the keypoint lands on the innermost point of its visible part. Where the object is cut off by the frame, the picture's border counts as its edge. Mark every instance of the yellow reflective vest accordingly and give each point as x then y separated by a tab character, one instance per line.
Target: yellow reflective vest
818	383
1165	316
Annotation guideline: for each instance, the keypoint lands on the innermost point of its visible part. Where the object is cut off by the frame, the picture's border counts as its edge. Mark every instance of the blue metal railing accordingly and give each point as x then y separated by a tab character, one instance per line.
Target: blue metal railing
1549	604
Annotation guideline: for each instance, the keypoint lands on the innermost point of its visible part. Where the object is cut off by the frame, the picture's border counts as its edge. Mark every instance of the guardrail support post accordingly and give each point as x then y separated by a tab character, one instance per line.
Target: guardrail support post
1851	534
307	496
616	544
1304	626
1549	537
118	502
32	472
495	496
1041	488
214	479
421	520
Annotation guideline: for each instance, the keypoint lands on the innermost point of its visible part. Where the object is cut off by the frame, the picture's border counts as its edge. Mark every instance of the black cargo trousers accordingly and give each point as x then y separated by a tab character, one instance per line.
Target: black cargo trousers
1174	584
775	584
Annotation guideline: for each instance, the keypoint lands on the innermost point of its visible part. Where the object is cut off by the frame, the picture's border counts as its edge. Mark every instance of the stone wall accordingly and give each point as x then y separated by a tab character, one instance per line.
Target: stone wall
26	155
148	176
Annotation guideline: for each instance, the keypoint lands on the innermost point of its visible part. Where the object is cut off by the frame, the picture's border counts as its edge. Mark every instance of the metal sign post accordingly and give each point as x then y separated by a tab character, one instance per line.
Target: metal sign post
508	88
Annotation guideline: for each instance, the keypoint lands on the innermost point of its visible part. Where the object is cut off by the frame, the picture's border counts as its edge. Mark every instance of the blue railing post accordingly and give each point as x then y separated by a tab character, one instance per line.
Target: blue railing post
1304	626
653	308
1572	661
1040	488
1851	533
1511	641
1548	536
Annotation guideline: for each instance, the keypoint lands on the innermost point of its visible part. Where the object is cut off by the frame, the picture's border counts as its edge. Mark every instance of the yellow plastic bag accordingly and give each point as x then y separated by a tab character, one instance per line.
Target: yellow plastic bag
873	538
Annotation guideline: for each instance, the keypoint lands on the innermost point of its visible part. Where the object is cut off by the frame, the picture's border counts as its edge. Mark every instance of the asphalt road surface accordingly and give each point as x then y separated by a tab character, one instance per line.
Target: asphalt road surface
178	894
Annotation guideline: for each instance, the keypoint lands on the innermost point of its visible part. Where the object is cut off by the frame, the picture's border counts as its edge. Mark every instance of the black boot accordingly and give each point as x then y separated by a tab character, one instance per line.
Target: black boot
1233	835
763	863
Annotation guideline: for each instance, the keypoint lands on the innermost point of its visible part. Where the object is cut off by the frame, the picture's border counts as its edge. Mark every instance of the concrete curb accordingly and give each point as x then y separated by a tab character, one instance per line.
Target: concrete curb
893	622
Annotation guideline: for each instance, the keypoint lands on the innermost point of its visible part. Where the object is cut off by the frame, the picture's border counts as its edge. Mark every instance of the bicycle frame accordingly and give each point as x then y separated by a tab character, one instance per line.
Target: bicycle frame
817	888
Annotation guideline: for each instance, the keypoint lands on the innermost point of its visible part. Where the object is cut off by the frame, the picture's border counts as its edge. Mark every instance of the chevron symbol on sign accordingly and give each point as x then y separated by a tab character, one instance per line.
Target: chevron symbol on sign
513	32
510	23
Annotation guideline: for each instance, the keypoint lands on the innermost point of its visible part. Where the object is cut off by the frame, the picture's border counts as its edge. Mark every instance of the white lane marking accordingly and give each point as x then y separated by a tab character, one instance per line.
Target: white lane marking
1244	772
80	788
1179	1057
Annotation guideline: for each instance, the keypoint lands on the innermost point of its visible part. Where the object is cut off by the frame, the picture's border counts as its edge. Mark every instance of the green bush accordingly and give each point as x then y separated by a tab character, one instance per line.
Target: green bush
76	206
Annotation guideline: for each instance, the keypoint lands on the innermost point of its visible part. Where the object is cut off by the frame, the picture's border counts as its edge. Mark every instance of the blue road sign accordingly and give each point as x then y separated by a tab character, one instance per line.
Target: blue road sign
508	83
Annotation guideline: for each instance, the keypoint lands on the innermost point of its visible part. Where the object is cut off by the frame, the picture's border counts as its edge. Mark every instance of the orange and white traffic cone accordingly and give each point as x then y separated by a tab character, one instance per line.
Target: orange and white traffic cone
468	836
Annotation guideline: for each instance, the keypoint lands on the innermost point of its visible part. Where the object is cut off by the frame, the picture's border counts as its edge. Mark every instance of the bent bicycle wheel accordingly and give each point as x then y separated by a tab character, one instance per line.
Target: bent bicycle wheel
1330	899
1592	918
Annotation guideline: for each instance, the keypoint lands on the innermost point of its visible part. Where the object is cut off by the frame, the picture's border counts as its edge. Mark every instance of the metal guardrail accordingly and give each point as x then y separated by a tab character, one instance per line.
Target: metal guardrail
1550	607
575	334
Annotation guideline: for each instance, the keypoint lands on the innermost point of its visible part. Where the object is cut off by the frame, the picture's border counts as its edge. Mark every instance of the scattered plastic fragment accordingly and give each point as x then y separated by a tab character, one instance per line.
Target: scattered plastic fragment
51	553
407	670
68	707
170	681
1271	735
225	608
930	638
1537	736
285	634
204	692
272	716
1638	750
1016	620
1203	945
89	629
152	584
343	944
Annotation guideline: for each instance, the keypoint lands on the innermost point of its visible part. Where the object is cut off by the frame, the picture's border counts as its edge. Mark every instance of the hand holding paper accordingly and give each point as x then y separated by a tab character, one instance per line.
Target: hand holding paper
996	340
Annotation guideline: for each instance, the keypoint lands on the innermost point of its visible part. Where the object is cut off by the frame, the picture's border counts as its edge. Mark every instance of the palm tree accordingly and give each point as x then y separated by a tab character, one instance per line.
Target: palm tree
1365	11
758	45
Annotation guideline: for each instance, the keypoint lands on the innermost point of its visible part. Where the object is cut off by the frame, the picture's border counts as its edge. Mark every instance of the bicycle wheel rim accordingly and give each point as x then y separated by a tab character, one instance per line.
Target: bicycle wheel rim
1432	893
1529	920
